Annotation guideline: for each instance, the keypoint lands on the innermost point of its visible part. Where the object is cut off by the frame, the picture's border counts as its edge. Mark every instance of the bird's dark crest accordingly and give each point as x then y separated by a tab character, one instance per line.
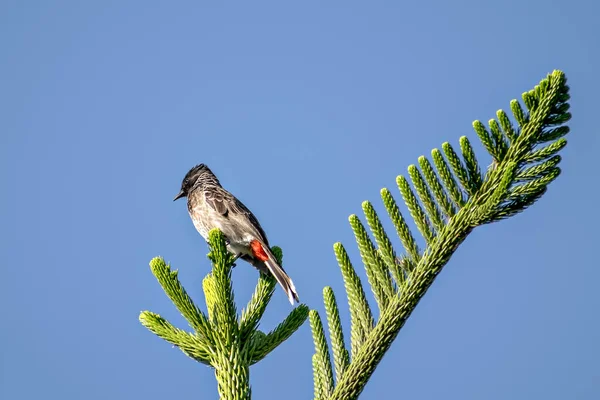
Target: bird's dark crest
200	171
196	170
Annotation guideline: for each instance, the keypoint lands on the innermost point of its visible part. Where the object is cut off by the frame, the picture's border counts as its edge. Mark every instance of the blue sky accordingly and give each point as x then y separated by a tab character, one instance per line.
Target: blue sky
303	111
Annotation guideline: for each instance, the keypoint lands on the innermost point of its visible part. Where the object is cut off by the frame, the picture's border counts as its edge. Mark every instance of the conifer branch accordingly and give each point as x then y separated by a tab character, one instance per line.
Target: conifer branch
281	333
170	283
257	305
377	273
360	312
441	197
340	354
416	211
452	187
404	233
222	340
435	216
317	377
191	345
446	208
208	286
322	359
385	251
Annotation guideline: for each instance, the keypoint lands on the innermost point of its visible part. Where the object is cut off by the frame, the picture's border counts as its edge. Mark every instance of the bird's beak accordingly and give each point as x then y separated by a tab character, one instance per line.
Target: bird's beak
179	195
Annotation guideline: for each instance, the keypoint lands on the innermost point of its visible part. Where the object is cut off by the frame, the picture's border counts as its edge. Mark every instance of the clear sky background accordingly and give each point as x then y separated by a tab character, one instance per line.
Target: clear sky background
303	111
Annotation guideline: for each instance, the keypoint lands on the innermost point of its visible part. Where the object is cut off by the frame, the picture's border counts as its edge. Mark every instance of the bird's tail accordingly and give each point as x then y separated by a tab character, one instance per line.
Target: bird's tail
264	254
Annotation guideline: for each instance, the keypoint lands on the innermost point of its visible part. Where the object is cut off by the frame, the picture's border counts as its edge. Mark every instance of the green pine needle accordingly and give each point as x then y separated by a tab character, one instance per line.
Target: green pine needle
452	187
507	126
441	197
257	305
173	288
459	169
471	163
341	357
281	333
224	305
323	361
360	312
416	211
499	139
377	273
191	345
404	233
433	212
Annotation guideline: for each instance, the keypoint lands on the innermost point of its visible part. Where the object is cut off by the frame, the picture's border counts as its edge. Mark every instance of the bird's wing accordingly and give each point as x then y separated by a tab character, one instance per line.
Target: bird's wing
217	200
226	204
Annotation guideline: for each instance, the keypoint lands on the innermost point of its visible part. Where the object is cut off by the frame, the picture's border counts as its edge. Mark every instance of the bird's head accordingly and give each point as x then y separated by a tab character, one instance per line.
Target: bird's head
193	178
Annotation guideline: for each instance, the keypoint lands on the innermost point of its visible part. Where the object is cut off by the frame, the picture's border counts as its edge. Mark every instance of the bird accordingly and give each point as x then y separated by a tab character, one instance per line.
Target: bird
211	206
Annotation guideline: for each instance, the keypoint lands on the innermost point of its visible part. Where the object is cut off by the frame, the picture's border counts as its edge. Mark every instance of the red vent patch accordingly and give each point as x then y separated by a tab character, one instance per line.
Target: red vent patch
258	251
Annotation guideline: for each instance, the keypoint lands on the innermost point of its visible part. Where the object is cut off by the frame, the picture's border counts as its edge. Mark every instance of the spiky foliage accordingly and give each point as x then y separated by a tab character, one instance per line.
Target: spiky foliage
446	206
220	339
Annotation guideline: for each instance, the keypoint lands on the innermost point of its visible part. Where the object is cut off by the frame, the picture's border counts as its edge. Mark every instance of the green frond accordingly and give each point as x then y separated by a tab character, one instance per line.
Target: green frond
499	139
317	377
193	346
280	334
545	152
486	139
322	352
433	212
384	244
220	341
559	118
507	126
452	187
210	296
494	196
471	163
437	188
360	312
377	273
402	229
257	339
416	211
257	305
518	204
529	98
224	305
533	185
520	115
552	134
538	170
175	291
449	206
459	169
406	265
341	358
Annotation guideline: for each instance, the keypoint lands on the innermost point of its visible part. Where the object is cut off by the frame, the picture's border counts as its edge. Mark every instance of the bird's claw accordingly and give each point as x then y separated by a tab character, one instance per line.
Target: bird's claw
233	264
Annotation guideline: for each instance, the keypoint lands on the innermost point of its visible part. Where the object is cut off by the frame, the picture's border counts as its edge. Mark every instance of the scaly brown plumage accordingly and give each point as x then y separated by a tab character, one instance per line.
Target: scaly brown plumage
211	206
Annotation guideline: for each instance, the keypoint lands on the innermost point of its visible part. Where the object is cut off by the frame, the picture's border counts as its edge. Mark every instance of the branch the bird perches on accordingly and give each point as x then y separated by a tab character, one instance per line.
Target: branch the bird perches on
221	339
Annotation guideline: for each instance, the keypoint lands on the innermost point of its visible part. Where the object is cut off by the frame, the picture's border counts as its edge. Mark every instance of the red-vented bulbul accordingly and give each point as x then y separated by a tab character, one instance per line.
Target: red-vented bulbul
210	206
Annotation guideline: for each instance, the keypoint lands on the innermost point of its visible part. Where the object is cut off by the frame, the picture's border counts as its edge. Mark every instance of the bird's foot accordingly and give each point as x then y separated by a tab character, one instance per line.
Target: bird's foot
233	265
